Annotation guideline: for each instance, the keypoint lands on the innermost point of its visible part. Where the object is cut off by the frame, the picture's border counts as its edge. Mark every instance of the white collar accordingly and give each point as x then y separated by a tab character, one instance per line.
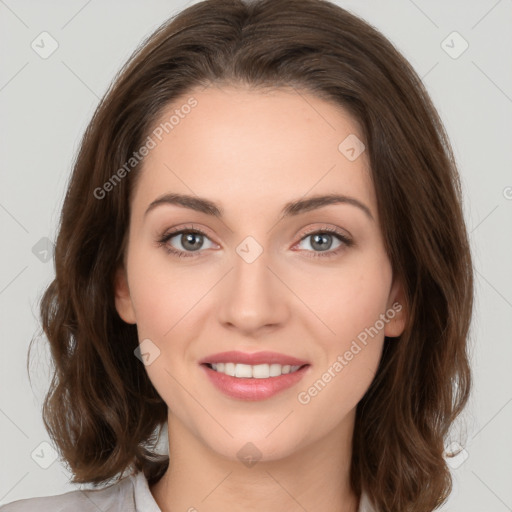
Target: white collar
144	501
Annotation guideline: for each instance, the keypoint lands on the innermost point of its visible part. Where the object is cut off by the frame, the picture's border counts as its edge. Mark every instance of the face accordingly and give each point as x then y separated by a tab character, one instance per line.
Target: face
312	283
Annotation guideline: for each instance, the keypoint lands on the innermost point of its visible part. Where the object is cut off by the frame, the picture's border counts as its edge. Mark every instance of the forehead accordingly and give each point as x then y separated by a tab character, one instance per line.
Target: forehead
245	146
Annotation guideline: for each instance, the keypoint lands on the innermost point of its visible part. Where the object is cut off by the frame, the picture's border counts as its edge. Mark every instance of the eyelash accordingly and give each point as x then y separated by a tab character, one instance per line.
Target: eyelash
347	242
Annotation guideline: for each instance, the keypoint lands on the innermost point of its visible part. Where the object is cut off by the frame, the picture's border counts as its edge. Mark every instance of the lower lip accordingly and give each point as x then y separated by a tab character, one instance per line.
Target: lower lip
253	389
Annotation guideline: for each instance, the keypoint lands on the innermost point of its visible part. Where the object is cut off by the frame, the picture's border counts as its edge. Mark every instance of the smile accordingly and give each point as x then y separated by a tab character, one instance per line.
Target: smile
258	371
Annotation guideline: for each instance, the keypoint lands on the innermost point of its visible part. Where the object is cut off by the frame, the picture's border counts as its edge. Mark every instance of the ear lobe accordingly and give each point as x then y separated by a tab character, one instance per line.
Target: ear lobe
396	312
123	299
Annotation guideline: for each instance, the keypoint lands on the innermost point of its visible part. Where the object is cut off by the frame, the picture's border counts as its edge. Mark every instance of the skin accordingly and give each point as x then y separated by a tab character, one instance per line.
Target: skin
251	152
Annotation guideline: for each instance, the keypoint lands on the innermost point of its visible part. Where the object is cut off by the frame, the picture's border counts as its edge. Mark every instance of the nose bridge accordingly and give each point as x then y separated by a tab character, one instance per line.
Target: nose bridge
252	298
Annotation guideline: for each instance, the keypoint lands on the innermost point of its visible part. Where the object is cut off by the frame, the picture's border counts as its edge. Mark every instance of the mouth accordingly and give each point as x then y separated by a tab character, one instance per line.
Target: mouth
253	375
253	382
258	371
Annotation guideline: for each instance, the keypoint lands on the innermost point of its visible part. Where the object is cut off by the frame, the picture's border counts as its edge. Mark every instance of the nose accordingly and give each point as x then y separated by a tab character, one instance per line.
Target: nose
253	297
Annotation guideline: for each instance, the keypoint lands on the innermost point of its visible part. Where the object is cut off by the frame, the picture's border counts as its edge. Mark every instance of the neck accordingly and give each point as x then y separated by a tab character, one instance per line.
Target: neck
315	477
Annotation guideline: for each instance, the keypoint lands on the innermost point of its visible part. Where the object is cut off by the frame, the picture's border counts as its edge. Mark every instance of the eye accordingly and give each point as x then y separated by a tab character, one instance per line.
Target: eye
190	240
322	239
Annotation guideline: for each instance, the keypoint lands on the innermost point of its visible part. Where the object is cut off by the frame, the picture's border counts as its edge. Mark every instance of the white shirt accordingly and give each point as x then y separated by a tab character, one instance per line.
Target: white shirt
131	494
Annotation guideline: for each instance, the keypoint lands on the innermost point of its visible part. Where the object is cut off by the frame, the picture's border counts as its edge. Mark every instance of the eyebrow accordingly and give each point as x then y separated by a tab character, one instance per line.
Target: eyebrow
291	208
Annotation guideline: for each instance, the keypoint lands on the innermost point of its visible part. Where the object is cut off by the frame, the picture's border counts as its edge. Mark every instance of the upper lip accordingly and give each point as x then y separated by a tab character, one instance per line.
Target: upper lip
253	358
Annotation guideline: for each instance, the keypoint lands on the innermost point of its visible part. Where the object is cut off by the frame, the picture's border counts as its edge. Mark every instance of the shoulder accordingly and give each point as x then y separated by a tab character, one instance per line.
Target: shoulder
118	497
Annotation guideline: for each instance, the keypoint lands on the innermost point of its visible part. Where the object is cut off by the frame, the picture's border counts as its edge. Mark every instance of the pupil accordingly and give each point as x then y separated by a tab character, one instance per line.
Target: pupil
192	246
318	237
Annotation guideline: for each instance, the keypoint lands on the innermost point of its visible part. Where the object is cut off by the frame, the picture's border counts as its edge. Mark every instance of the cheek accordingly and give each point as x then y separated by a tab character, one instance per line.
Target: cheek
349	301
165	300
335	390
352	346
346	300
162	292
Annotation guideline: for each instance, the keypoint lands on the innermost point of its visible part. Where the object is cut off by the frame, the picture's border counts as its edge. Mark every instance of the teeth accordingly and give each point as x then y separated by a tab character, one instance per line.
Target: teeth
259	371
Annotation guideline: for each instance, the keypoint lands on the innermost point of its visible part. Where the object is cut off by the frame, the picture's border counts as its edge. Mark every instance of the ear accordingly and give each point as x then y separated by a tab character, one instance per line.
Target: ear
123	299
396	311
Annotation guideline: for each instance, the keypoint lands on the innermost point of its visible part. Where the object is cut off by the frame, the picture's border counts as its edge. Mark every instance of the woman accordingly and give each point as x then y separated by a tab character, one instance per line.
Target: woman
262	248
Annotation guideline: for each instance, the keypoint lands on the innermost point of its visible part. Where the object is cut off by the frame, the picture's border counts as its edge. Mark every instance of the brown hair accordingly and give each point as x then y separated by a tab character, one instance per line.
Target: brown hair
102	410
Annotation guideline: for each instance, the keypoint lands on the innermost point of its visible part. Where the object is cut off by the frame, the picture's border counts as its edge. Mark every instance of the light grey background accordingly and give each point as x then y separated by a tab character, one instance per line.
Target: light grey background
45	105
